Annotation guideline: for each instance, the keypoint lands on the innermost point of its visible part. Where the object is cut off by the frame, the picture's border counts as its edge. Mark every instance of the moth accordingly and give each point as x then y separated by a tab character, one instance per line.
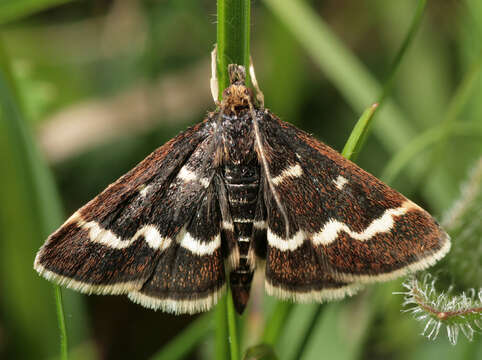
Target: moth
240	191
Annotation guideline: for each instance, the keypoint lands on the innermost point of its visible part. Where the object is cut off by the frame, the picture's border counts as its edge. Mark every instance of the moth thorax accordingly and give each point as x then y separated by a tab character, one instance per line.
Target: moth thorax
238	139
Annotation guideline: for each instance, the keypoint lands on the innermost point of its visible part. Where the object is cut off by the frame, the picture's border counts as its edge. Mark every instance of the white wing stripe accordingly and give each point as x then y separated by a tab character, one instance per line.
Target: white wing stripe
383	224
293	171
151	235
331	229
108	238
200	248
286	244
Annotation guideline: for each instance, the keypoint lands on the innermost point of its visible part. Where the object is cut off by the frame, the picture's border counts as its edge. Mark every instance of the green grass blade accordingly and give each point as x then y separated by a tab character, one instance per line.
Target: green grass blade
276	322
423	141
415	25
347	73
358	135
11	10
308	332
232	327
438	134
183	343
64	340
221	342
357	86
28	189
260	352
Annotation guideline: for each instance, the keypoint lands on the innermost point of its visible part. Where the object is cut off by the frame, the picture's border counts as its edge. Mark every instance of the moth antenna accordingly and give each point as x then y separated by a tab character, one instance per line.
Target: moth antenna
214	75
254	81
266	168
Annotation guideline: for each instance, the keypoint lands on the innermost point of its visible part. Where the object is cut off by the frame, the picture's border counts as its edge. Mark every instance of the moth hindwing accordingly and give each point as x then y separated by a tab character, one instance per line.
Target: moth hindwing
240	191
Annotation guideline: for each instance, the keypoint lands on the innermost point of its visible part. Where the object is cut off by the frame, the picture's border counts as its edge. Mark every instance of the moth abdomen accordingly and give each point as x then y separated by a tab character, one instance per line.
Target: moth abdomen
242	187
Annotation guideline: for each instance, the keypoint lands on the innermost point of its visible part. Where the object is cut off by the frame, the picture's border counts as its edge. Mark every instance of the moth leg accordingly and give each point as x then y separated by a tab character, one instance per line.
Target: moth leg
214	75
254	81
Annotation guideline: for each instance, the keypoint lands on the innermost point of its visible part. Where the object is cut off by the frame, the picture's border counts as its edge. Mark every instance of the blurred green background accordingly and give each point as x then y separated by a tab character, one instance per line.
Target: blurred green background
94	86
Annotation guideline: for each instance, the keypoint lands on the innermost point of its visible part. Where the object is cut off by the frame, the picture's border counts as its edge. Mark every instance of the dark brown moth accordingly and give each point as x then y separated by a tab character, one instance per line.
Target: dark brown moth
240	191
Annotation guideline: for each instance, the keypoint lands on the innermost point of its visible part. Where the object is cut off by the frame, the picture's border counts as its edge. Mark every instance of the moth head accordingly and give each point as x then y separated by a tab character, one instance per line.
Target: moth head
237	95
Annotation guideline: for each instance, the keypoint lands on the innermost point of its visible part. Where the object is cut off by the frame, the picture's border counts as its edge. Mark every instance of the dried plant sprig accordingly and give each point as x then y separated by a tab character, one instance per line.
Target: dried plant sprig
457	313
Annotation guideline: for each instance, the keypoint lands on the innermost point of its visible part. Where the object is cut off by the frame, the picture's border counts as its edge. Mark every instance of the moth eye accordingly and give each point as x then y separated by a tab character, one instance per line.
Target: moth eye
228	92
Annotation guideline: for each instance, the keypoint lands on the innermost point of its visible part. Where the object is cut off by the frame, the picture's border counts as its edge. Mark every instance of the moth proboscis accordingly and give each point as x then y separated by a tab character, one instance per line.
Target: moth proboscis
240	191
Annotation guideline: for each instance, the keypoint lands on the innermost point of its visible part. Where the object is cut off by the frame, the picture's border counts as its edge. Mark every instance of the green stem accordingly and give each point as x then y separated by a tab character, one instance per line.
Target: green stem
340	66
353	146
233	35
414	26
232	327
64	350
358	134
221	344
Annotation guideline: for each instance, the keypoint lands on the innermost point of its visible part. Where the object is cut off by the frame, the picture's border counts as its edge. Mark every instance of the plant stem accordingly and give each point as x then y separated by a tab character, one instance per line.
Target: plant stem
221	343
351	151
232	327
343	69
414	26
233	35
64	349
357	137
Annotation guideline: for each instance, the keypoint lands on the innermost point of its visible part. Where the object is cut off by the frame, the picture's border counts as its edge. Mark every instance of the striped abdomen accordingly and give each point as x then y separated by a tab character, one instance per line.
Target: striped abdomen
242	184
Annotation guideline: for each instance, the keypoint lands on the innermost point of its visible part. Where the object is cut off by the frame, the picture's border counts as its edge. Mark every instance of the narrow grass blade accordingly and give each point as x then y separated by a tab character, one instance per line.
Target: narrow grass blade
29	190
11	10
260	352
358	135
221	318
428	138
276	322
185	342
414	26
232	327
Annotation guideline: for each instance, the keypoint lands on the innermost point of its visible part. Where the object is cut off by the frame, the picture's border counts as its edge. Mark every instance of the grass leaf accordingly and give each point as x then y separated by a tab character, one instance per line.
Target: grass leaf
11	10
